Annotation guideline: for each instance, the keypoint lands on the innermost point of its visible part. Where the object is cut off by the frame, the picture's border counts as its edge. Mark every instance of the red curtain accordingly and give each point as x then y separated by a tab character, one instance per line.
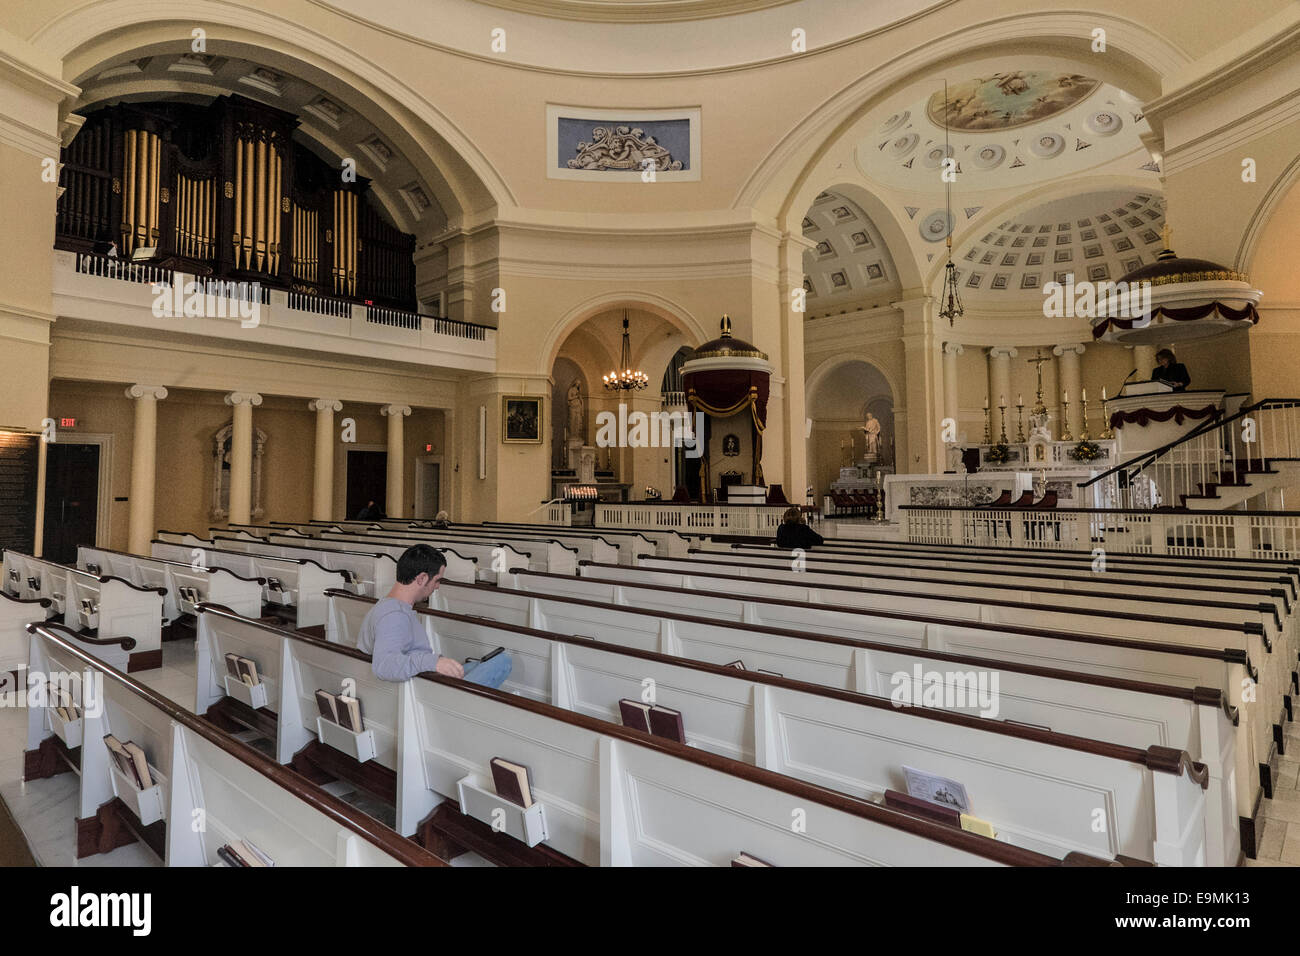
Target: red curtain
720	393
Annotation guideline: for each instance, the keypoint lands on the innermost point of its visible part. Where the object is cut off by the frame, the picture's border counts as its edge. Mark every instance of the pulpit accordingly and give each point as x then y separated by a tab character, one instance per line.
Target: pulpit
1147	415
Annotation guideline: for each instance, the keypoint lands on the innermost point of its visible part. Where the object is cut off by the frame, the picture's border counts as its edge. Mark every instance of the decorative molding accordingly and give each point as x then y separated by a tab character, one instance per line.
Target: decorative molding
953	348
618	147
1003	351
401	410
325	405
1060	350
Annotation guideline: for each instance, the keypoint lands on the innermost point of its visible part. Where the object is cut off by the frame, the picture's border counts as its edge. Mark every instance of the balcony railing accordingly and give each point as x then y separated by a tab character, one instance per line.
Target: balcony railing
281	316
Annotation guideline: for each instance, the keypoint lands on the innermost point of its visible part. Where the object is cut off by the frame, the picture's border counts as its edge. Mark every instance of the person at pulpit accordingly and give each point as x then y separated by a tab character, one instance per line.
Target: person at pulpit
1171	371
793	533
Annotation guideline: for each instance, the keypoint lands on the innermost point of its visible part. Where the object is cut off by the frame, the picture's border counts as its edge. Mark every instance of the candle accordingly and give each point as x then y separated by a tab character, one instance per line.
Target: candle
1002	401
1085	394
1065	397
1020	400
986	403
1103	393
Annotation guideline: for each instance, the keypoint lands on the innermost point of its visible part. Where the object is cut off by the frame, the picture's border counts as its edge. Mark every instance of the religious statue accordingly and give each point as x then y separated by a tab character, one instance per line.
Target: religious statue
871	432
577	411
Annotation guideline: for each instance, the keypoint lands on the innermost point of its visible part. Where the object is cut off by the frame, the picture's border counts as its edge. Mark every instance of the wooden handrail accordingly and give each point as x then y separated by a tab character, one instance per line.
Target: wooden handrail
408	852
126	643
178	564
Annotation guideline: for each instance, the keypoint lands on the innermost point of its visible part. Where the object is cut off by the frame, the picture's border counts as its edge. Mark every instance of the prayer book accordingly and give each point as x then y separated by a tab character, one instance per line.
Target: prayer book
140	763
513	781
746	859
666	722
327	705
635	714
349	713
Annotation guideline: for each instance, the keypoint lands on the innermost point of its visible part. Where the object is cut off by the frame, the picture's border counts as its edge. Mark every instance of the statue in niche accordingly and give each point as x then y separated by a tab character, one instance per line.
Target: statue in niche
221	442
577	411
871	433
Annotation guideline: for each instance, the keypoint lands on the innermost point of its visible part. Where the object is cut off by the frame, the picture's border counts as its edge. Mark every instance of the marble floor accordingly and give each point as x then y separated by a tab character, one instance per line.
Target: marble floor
45	809
1280	816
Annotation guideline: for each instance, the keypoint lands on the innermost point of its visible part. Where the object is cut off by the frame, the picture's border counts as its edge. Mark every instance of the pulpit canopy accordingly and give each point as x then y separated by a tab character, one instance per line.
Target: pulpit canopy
1174	300
726	376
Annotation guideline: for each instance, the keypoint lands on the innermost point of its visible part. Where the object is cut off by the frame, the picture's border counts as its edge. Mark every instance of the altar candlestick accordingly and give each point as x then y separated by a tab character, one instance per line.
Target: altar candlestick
1103	393
1085	395
986	403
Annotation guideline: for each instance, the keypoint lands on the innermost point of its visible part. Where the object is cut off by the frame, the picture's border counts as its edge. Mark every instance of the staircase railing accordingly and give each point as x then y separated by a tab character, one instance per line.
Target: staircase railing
1222	451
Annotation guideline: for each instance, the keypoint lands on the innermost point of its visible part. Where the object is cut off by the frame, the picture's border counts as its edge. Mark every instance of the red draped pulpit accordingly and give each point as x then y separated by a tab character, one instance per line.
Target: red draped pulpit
727	380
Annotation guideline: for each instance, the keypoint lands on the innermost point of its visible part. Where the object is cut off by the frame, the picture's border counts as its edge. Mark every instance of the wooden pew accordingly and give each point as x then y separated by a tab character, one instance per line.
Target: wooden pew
15	615
185	585
94	603
367	573
201	774
541	555
1132	713
1123	658
697	807
465	561
295	583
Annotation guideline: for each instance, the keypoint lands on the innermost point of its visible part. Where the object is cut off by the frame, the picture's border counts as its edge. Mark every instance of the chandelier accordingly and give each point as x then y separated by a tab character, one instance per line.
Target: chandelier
628	378
950	301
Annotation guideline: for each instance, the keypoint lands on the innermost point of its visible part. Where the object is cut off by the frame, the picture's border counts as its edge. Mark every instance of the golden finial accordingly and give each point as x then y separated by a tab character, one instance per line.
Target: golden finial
1167	235
726	325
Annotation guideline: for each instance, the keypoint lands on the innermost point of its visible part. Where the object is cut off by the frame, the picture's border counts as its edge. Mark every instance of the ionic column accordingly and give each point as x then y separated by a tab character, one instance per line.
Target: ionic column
950	352
241	455
322	487
144	465
1067	367
396	503
1144	360
999	386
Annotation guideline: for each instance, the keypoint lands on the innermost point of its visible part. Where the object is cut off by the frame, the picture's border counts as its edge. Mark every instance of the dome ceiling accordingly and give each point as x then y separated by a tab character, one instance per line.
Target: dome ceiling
640	11
851	261
1007	129
1098	236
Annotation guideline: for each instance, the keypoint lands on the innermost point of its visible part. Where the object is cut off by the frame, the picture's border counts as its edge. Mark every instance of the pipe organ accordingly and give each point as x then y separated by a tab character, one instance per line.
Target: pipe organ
226	190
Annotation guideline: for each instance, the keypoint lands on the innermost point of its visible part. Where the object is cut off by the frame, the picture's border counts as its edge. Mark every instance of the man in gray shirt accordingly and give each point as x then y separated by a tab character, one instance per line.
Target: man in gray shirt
395	639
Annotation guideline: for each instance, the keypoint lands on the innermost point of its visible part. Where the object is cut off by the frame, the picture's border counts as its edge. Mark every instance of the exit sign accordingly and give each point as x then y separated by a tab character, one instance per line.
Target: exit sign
67	423
428	447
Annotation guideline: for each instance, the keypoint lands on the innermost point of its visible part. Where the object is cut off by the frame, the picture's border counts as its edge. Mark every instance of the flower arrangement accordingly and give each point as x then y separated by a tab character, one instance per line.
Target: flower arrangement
1085	451
999	454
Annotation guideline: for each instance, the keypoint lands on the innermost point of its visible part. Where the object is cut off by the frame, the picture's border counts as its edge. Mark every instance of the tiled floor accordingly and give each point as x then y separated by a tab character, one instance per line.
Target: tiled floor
1280	816
45	810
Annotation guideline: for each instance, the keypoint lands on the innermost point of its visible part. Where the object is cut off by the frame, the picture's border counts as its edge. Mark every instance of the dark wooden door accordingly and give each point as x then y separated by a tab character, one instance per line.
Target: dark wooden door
71	499
18	473
367	480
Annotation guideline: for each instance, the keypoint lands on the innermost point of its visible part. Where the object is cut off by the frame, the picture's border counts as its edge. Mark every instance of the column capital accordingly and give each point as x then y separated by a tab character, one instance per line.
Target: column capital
1077	349
243	398
1003	351
395	410
146	391
324	405
953	348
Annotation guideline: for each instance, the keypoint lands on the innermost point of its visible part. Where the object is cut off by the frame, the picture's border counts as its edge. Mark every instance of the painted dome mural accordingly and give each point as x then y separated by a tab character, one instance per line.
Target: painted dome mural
1007	100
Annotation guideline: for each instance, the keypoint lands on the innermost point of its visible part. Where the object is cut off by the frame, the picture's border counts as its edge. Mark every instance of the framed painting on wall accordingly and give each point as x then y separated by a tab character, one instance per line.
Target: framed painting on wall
521	419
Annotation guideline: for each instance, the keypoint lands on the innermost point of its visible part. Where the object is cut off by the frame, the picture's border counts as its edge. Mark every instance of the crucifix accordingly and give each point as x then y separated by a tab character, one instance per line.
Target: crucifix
1039	407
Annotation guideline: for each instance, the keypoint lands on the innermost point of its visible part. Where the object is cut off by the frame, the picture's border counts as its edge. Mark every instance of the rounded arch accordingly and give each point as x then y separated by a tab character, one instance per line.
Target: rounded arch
882	217
1262	219
824	369
463	180
1137	59
658	305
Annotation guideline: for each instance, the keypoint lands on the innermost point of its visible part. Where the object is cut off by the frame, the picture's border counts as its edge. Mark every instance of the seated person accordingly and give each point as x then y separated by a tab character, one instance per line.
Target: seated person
1170	370
394	637
793	533
370	512
441	520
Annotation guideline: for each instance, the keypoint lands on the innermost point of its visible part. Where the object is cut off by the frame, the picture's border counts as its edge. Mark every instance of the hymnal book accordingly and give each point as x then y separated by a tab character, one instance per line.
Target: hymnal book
635	714
923	808
940	790
248	672
230	857
257	852
976	825
513	781
123	759
486	657
738	665
141	764
349	713
327	705
666	722
746	859
241	850
232	665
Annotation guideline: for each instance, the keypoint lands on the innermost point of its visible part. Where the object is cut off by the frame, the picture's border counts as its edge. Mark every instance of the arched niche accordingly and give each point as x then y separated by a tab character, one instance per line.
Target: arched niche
838	400
221	472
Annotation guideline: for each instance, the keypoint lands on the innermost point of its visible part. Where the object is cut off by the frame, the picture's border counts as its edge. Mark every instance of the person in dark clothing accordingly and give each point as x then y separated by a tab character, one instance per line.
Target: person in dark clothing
1170	370
369	512
793	533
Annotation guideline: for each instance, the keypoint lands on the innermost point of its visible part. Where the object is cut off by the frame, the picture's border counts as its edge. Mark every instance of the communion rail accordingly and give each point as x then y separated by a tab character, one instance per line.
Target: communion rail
1212	534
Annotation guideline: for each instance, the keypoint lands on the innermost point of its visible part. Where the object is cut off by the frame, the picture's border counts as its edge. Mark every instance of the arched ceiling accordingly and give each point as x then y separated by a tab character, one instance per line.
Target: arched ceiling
851	261
635	11
330	128
1099	236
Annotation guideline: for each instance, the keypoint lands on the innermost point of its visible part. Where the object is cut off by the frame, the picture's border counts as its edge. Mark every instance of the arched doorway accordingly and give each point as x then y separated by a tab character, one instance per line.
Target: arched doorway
839	399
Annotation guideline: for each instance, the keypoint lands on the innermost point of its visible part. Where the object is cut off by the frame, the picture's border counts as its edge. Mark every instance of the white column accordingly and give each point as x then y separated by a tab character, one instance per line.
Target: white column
395	506
925	451
322	487
950	352
241	455
144	465
1000	387
1144	360
1067	367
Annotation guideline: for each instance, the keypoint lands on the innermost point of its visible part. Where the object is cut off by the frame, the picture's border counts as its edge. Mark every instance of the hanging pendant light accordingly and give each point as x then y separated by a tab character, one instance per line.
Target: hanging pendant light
625	377
950	306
